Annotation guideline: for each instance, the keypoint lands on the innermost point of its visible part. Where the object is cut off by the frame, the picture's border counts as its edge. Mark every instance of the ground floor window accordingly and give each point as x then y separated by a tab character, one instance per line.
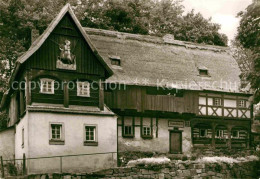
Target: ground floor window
220	133
90	135
203	133
128	124
128	130
57	133
235	134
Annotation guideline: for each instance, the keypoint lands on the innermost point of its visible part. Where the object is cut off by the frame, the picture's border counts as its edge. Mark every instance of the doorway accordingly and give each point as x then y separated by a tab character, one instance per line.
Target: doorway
175	141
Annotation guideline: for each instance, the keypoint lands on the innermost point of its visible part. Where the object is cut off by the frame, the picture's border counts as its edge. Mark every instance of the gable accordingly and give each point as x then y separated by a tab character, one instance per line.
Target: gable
51	50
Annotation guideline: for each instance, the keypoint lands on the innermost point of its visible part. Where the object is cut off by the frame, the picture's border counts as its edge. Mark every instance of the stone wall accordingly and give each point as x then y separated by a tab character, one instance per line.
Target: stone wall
180	169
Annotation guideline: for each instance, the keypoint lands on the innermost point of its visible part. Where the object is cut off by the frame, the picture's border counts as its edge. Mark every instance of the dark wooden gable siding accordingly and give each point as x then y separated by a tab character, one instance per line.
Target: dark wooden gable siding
45	58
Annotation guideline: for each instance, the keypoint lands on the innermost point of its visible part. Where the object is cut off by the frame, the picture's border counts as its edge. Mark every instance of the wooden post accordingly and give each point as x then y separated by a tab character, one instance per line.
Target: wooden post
101	95
24	164
61	165
2	168
66	95
213	143
28	89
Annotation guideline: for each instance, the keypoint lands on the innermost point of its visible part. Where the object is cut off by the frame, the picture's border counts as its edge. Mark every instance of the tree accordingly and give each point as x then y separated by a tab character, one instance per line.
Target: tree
154	18
249	37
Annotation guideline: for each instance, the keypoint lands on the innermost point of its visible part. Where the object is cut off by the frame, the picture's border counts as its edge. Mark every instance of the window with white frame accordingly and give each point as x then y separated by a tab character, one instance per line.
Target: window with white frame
56	131
235	134
242	103
146	130
47	86
90	132
217	102
220	133
203	132
83	89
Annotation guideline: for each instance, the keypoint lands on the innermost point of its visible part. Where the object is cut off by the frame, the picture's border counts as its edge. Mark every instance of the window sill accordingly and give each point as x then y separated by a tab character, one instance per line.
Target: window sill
56	142
90	143
147	137
128	136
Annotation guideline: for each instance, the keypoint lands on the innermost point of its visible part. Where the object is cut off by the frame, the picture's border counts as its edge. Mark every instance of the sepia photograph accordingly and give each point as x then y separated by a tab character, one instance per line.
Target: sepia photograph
129	89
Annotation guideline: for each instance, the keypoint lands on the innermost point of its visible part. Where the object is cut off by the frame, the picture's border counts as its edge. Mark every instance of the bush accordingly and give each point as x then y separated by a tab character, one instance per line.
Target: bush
11	168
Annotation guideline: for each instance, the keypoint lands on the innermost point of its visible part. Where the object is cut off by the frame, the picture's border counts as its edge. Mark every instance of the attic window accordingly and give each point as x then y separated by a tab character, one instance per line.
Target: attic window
203	72
115	60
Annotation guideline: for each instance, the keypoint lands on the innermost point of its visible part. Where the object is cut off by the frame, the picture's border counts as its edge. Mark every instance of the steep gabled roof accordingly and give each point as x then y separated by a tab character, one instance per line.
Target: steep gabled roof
149	60
41	39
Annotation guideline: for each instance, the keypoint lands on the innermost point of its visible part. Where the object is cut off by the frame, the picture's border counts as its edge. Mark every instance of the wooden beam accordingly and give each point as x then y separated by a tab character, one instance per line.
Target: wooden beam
66	95
28	93
101	95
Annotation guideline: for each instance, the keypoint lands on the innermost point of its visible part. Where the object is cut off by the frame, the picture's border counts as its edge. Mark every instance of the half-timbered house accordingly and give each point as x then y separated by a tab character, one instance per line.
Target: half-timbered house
168	96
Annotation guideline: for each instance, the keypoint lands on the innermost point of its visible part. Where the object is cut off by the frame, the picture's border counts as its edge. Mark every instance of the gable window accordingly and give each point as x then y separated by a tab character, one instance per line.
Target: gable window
242	103
203	133
217	101
56	134
90	135
47	86
83	89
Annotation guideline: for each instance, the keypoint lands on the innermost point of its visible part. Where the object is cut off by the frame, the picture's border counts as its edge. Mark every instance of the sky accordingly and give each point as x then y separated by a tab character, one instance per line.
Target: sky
222	12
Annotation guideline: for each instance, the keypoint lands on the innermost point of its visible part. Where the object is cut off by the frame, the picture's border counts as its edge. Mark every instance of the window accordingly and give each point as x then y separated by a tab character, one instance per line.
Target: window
90	135
128	131
235	134
115	60
146	131
217	101
83	89
47	86
22	137
242	103
56	131
220	134
203	132
56	134
203	72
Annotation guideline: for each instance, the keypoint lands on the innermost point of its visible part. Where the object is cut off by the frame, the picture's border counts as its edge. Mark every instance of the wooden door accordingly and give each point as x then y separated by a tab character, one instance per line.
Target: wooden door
175	142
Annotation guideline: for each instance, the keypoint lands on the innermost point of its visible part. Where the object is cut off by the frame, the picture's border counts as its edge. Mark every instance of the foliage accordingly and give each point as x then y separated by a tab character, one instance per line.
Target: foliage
249	37
152	17
11	168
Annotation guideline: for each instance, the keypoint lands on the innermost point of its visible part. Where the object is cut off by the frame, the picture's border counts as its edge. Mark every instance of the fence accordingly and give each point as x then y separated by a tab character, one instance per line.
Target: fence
80	163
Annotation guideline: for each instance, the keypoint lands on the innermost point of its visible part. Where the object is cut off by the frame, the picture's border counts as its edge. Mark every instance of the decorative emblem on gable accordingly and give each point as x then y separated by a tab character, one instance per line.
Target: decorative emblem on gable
66	60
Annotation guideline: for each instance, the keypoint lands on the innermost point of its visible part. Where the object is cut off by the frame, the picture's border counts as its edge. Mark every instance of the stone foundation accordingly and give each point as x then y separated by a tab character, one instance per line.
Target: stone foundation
181	169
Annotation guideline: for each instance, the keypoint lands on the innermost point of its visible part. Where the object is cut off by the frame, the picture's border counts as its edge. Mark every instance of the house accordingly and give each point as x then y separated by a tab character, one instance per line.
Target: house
56	103
174	96
83	91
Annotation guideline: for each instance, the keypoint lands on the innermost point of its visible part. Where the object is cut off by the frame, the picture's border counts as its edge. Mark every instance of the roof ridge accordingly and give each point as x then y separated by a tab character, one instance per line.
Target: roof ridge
154	39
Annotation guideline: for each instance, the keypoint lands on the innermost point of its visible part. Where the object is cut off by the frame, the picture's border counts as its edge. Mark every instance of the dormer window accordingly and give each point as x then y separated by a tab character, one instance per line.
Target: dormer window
83	89
115	60
203	71
47	86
